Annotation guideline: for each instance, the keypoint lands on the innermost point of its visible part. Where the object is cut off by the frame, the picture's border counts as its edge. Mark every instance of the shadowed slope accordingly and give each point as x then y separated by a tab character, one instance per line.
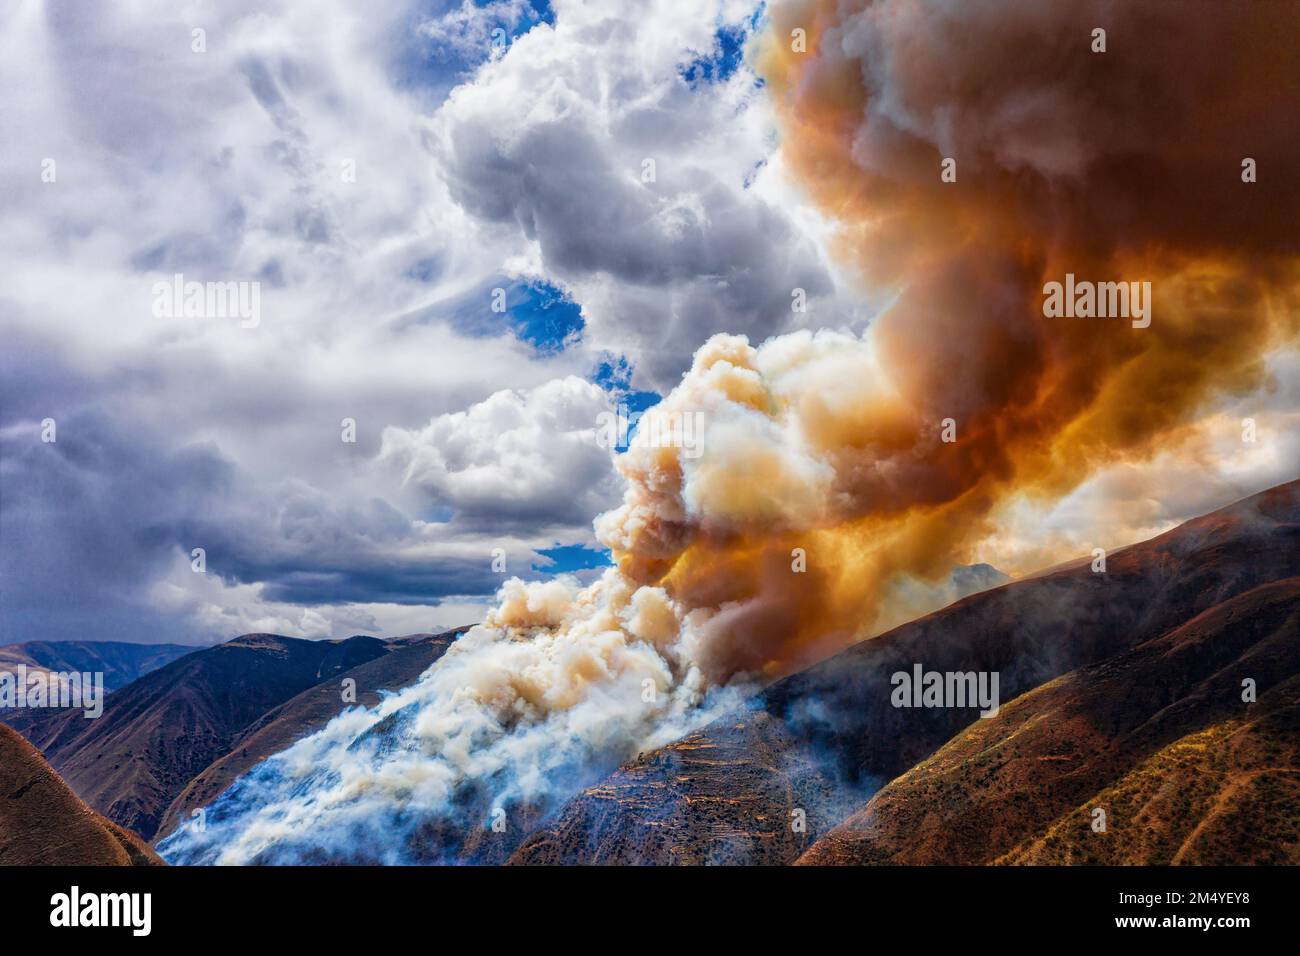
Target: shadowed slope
305	714
158	732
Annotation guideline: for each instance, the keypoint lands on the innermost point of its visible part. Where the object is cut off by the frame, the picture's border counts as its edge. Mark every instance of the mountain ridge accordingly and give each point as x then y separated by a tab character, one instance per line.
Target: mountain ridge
1003	785
158	732
307	712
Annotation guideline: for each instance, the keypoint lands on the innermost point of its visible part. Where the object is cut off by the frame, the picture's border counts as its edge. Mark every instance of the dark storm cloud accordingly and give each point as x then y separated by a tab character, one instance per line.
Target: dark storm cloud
89	522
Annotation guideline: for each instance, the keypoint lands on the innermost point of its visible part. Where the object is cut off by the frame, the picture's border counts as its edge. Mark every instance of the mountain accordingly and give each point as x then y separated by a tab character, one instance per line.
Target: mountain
761	784
120	663
304	714
1158	738
43	823
157	733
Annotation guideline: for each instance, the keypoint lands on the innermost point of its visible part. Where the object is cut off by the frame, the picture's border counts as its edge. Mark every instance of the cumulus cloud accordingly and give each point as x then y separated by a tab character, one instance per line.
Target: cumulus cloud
587	140
517	459
467	32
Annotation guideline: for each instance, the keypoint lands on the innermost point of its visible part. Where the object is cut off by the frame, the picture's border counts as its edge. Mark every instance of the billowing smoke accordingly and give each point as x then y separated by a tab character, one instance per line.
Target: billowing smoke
1125	142
789	498
453	768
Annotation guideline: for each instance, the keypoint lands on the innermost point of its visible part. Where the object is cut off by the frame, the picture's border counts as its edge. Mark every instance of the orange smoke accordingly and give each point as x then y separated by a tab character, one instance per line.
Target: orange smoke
1123	165
824	503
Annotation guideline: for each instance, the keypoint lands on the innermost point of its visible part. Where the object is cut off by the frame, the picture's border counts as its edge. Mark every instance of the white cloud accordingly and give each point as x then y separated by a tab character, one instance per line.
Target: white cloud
229	165
529	459
467	31
551	142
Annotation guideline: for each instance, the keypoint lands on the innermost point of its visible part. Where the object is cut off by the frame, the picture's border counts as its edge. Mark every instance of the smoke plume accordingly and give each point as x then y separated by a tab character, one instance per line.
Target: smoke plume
818	492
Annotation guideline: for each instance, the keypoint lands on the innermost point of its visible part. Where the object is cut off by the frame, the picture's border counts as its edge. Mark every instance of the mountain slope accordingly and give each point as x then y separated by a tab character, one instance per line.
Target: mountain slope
43	823
1227	795
158	732
737	790
1033	775
304	714
120	663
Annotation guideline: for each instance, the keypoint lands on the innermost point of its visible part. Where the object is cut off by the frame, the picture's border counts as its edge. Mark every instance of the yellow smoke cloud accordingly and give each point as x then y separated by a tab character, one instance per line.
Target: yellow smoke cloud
1124	165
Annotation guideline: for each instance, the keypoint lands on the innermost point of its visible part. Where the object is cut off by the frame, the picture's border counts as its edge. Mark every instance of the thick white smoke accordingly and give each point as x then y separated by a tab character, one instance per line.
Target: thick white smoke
499	724
738	557
560	683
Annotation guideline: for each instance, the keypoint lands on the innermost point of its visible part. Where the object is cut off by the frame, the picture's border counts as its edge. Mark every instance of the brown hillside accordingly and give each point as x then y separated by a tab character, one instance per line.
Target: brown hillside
727	793
42	823
1051	753
304	714
1227	795
157	733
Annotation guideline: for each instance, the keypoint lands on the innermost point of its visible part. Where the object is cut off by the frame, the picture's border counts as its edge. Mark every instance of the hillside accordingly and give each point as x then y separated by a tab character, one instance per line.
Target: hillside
304	714
829	736
43	823
1158	738
1227	795
119	662
157	733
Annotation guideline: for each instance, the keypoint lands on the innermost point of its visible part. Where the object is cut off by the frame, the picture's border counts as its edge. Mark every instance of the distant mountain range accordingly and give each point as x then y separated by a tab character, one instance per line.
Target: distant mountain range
1125	692
120	663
